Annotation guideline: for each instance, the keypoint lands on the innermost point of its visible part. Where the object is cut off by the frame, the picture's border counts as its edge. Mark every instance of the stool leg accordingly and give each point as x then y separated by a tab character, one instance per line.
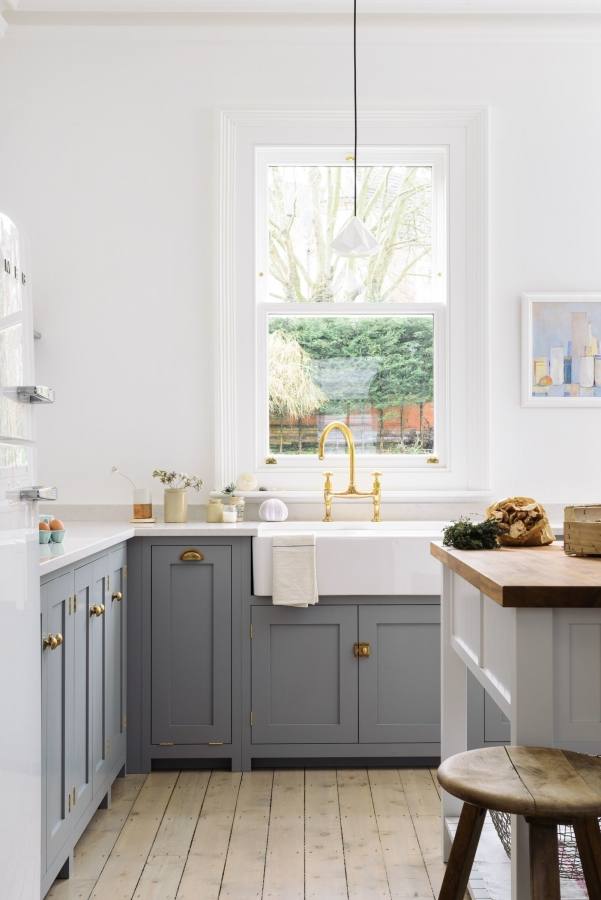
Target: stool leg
463	851
588	839
544	861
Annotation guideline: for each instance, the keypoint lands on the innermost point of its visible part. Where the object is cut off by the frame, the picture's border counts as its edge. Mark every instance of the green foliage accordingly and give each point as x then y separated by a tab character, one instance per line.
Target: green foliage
383	361
467	535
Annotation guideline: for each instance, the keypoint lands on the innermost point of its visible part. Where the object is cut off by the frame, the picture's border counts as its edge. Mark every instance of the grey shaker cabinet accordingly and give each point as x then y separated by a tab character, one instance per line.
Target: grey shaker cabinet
399	683
310	690
116	658
80	681
191	681
304	678
99	671
57	676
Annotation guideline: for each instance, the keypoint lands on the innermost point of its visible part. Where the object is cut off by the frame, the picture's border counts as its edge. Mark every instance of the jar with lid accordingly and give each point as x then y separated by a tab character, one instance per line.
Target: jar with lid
215	510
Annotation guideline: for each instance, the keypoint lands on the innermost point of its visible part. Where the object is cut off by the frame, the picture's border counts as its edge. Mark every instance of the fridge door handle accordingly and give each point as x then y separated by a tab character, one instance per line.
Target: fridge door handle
35	393
38	493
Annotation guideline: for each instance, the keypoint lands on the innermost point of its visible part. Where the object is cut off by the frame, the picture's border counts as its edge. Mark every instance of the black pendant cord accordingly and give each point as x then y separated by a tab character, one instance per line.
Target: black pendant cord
355	96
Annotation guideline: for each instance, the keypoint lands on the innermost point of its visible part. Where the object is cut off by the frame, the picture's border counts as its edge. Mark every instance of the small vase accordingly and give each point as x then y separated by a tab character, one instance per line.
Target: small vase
176	505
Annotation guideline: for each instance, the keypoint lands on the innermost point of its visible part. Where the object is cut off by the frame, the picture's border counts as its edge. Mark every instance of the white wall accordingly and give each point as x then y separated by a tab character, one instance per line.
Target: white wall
107	158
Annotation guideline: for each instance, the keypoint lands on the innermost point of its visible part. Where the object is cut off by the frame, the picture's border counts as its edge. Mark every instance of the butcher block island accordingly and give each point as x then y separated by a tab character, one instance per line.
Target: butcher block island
526	622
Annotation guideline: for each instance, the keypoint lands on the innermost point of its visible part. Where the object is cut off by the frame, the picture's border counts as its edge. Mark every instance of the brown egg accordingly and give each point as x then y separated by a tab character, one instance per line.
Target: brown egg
44	526
56	525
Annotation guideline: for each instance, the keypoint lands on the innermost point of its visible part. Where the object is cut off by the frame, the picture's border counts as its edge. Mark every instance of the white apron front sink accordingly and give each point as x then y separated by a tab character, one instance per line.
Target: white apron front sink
359	558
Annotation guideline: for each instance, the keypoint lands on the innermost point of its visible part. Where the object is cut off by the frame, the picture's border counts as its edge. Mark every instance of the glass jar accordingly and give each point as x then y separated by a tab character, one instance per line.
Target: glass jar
230	513
240	504
215	510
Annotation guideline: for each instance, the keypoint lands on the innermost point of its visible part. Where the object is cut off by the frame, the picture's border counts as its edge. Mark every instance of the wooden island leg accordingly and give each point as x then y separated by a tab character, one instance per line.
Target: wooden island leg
454	703
532	717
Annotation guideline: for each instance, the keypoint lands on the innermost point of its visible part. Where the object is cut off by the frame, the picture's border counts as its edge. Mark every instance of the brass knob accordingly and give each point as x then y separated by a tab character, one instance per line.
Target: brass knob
118	596
52	641
361	650
191	556
97	609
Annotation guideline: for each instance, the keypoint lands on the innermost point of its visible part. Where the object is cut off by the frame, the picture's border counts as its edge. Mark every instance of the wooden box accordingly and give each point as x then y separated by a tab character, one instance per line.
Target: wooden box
582	530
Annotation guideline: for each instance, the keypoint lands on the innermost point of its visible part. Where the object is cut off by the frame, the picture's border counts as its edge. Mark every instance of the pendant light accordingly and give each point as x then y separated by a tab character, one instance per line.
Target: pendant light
354	239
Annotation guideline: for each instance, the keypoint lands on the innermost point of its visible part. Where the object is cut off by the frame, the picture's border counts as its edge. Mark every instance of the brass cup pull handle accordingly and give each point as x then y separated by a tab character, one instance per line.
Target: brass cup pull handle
97	609
52	641
362	650
192	556
118	596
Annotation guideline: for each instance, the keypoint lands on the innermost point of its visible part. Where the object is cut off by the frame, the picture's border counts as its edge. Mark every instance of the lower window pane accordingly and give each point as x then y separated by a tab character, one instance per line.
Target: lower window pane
375	373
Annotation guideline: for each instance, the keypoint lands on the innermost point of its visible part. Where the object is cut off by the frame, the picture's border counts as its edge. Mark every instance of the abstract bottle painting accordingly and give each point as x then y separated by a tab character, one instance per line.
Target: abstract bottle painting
562	348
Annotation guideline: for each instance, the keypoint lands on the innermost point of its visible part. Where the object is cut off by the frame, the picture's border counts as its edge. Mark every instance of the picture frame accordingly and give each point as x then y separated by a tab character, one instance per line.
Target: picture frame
561	349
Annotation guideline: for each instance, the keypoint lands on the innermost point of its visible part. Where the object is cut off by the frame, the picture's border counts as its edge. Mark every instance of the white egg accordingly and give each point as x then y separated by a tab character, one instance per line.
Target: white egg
273	511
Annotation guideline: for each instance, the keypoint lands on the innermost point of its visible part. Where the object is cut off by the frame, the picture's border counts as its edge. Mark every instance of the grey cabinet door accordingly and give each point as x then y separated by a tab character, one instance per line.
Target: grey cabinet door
304	675
191	645
57	677
80	753
399	683
100	751
116	656
497	728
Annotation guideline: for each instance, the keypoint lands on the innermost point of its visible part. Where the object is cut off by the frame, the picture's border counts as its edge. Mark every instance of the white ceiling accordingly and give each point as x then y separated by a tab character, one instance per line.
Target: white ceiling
438	7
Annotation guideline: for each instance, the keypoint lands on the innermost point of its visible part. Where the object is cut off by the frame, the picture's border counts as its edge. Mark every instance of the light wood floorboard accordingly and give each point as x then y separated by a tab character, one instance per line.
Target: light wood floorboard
350	834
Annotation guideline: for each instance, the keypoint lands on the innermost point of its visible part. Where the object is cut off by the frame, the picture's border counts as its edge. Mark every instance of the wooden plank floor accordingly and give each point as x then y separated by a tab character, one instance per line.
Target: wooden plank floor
352	834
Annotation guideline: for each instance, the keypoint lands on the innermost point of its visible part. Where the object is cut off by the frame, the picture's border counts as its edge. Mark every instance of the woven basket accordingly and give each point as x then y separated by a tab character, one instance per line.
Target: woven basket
569	858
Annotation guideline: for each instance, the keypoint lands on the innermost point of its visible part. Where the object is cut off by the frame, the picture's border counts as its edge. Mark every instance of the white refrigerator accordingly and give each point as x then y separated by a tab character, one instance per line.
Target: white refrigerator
20	644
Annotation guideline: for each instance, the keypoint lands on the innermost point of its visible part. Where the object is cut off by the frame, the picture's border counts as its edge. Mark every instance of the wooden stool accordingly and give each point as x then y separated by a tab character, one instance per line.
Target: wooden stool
549	788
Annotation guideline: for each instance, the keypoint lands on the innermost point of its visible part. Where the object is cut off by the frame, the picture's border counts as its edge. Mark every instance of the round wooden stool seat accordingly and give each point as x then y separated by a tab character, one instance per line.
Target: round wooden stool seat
536	782
548	787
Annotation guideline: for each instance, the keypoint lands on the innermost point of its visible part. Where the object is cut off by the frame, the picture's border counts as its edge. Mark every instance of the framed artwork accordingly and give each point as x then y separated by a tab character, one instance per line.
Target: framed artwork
561	349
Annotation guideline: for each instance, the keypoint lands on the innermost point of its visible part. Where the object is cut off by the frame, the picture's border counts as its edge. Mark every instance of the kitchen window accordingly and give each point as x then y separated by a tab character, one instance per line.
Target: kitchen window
396	344
358	340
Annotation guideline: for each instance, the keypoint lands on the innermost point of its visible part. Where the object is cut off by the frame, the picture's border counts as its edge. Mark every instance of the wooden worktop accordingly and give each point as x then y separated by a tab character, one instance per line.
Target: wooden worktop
527	576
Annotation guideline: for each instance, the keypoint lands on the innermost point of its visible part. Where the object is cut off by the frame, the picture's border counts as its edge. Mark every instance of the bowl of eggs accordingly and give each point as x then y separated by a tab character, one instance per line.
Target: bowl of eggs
51	530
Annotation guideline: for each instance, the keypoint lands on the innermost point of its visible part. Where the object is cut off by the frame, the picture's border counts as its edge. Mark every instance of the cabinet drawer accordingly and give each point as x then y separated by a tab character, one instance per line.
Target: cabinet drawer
191	644
304	675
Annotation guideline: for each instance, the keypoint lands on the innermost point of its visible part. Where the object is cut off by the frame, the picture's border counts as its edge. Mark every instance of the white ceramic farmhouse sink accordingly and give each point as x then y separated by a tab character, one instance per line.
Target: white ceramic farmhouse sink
359	558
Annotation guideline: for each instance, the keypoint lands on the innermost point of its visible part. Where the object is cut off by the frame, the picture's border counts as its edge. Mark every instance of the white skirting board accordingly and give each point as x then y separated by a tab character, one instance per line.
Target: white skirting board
491	873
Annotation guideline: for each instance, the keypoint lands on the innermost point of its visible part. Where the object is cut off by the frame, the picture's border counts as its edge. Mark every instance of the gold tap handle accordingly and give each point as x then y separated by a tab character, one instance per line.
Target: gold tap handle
327	496
377	496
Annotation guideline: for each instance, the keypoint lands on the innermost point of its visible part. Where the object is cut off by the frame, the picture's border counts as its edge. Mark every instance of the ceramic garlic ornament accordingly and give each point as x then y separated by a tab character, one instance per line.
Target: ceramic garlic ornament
273	511
247	482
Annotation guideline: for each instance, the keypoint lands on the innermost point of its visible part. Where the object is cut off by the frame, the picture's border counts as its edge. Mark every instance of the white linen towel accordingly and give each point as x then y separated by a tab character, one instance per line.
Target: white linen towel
294	570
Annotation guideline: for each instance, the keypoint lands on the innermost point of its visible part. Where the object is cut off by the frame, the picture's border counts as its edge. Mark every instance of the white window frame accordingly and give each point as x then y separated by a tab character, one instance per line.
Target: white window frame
436	158
457	141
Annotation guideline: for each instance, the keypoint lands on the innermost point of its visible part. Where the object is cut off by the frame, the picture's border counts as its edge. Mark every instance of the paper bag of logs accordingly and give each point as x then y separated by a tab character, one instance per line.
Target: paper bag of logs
522	522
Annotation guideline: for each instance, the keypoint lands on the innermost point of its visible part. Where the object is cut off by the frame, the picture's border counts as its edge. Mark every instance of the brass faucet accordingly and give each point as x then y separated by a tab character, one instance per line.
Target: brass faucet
351	491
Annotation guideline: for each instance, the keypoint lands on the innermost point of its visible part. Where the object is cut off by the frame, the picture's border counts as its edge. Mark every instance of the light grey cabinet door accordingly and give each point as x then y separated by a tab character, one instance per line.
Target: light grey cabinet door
100	751
399	683
80	753
57	677
116	619
304	675
191	644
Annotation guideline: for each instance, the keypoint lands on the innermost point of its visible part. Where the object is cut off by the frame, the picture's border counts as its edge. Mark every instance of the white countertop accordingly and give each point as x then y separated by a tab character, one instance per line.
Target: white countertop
82	539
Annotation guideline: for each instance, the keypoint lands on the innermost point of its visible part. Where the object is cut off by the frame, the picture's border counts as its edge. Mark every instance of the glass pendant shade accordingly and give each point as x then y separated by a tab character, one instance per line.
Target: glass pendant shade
355	240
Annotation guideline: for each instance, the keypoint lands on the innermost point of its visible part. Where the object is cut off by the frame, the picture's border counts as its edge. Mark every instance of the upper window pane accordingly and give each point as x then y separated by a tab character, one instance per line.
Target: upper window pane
308	205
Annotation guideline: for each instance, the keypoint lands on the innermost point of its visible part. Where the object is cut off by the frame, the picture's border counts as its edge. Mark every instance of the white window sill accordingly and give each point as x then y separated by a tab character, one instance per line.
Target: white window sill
387	496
